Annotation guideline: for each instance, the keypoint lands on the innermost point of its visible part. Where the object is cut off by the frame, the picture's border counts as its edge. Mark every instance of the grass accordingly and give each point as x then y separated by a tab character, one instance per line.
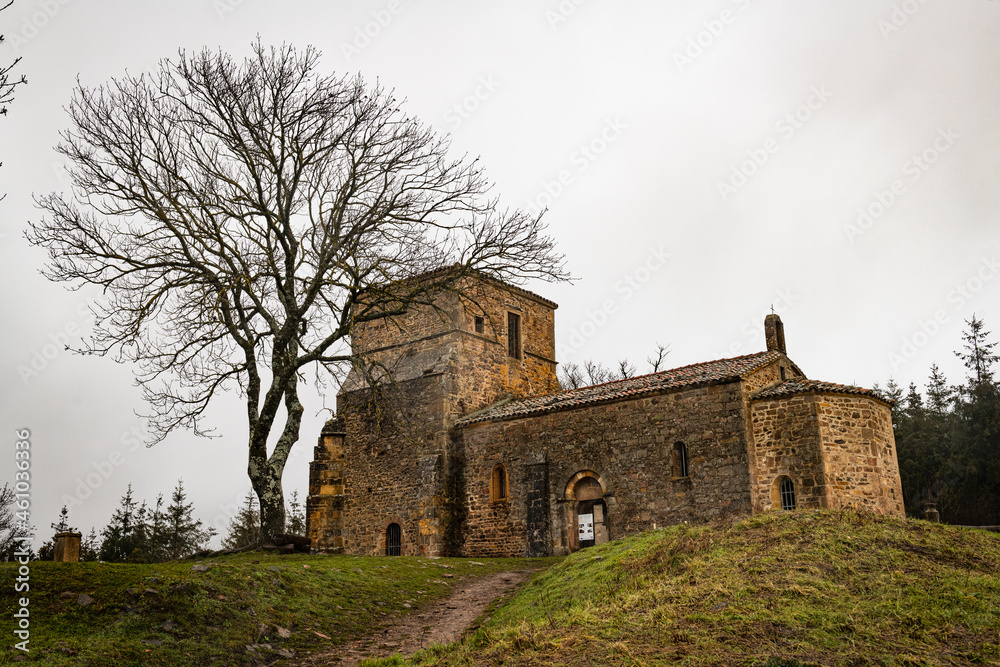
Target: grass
782	589
169	614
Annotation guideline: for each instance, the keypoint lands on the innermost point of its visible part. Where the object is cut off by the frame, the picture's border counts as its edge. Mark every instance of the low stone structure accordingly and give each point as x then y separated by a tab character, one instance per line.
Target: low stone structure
66	547
463	443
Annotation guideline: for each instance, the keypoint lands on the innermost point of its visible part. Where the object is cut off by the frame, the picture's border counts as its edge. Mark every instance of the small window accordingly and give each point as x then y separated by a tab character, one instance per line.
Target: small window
680	462
782	373
393	540
787	494
498	483
514	335
480	325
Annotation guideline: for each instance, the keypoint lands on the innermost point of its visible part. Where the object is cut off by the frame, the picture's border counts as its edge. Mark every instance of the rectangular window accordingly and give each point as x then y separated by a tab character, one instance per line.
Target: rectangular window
480	325
514	335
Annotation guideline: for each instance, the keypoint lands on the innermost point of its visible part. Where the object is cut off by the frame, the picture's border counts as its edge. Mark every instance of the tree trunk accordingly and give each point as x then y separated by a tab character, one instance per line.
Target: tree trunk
266	472
272	503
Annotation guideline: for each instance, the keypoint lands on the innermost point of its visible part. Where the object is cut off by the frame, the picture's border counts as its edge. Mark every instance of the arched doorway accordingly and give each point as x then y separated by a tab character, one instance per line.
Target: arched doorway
590	511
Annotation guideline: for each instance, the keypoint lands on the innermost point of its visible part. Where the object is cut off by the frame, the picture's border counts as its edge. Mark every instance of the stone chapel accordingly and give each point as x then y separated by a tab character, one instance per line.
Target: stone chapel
467	445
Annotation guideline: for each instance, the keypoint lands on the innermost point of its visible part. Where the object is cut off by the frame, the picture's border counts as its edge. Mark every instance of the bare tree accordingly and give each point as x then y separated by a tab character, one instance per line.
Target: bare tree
572	376
8	81
243	218
656	364
596	372
625	370
10	528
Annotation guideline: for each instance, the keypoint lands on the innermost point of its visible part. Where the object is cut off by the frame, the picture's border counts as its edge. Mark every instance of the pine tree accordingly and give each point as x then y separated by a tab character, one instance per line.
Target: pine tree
244	528
911	449
90	547
976	496
62	525
296	517
893	394
978	356
125	538
184	534
156	534
940	396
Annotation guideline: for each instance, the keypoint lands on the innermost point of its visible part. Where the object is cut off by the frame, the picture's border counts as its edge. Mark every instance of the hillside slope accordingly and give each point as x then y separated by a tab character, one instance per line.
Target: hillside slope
779	589
246	609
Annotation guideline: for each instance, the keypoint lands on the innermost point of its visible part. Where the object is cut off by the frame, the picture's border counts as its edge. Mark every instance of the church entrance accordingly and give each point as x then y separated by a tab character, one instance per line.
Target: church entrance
591	513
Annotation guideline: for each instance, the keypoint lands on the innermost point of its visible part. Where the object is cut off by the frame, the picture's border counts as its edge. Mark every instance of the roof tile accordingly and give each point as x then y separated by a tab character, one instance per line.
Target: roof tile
804	386
708	372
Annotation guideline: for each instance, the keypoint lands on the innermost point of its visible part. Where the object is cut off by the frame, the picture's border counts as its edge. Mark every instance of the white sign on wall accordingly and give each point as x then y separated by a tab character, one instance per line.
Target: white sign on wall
586	527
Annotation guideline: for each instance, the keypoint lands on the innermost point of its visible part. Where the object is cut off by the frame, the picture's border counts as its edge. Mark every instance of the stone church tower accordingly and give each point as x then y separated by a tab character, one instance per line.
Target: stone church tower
395	428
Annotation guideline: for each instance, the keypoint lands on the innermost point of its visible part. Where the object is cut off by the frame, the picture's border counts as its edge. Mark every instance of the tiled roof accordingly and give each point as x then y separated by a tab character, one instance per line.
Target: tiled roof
804	386
709	372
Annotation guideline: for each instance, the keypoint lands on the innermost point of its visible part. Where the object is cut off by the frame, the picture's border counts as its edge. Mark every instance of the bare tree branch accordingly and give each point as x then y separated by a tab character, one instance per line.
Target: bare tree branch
656	362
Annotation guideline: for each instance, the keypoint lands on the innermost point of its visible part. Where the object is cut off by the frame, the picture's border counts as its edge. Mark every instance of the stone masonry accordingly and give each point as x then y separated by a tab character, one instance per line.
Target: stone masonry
455	439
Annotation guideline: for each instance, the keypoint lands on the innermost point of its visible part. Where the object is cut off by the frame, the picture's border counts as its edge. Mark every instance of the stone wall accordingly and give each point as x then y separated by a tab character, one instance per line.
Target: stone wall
394	457
629	447
859	452
786	443
838	450
325	504
481	370
397	453
763	377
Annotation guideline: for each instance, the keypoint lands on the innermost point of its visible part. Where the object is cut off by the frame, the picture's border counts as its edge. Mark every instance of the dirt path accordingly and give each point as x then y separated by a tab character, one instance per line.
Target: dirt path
441	622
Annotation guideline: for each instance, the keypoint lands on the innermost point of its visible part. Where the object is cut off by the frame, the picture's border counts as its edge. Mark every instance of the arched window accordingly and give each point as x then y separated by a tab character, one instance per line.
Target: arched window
393	540
680	463
498	483
787	490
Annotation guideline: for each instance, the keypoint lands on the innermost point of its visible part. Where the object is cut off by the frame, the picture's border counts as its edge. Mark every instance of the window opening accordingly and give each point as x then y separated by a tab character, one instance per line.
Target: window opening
787	494
514	335
480	325
680	460
393	540
498	483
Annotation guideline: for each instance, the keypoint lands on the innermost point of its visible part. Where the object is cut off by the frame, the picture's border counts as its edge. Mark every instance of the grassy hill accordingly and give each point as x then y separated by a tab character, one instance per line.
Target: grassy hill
247	609
779	589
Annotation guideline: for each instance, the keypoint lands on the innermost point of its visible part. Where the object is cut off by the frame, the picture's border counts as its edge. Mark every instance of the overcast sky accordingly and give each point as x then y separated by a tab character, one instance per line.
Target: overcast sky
700	162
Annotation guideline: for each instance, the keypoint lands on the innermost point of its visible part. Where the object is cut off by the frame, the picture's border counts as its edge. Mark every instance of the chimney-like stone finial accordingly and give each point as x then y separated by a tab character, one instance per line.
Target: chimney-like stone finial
774	332
67	547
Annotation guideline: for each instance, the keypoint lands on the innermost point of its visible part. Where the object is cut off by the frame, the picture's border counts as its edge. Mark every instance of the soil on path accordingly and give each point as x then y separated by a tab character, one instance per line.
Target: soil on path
441	622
